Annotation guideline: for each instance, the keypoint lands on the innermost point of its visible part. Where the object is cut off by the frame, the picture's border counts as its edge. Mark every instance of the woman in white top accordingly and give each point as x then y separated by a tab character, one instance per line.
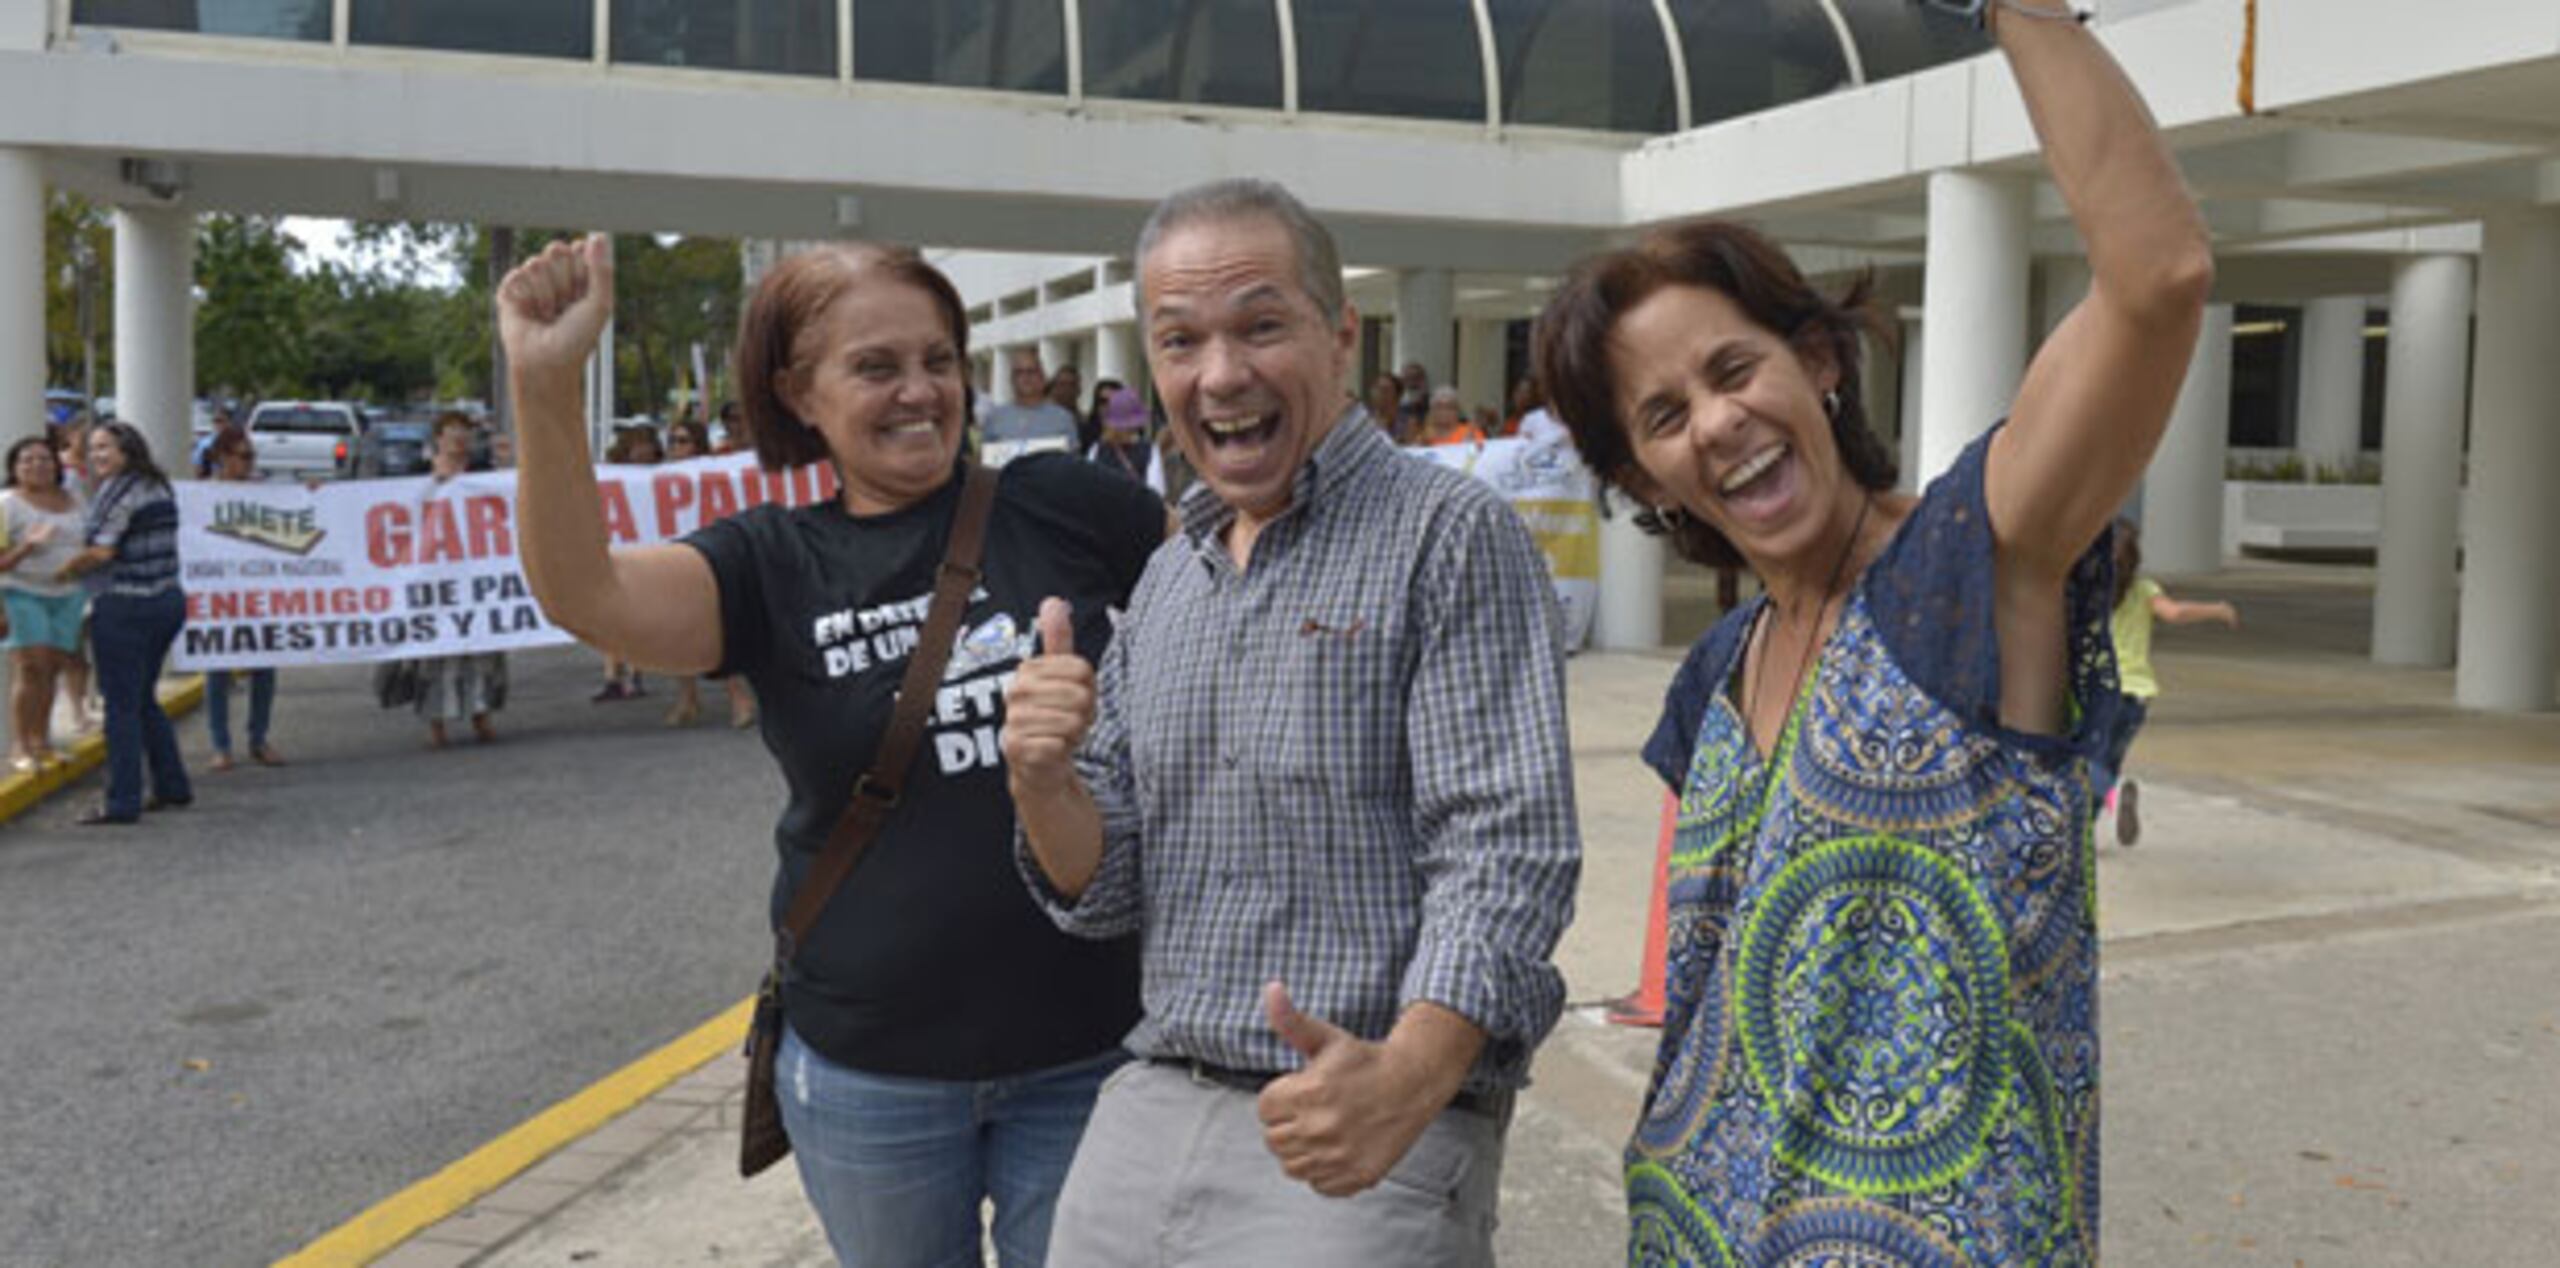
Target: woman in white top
42	522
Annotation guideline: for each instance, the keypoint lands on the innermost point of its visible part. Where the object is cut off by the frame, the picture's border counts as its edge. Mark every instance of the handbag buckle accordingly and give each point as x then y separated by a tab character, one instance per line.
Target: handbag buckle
867	789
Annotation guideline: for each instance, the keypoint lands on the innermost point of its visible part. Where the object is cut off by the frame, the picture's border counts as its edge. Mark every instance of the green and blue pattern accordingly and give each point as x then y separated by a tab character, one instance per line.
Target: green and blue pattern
1880	1046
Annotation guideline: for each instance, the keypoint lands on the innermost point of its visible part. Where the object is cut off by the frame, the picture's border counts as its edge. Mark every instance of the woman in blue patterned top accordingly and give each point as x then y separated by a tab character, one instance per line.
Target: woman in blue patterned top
1882	1044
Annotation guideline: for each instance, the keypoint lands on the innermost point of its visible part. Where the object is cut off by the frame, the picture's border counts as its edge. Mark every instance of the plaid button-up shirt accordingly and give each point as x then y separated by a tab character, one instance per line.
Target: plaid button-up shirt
1345	767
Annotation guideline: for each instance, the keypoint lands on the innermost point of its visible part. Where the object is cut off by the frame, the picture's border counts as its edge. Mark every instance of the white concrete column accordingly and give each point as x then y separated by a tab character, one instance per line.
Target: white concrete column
1479	378
600	393
1976	305
155	328
1915	347
1629	615
1057	351
1115	352
2422	412
2182	492
22	285
1426	300
2329	422
2511	545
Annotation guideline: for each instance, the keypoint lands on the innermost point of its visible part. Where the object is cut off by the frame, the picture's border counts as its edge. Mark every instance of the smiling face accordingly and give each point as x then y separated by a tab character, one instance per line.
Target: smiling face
879	376
1726	420
1249	367
35	467
106	457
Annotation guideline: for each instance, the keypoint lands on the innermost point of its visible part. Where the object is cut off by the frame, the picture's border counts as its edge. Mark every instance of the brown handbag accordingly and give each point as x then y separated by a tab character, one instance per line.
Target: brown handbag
762	1141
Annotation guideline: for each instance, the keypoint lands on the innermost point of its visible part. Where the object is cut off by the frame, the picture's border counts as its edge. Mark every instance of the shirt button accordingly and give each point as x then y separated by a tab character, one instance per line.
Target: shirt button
1230	759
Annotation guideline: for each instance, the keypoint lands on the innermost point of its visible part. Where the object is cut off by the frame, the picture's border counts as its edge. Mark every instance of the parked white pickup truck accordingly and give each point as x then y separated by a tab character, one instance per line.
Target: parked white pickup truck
306	440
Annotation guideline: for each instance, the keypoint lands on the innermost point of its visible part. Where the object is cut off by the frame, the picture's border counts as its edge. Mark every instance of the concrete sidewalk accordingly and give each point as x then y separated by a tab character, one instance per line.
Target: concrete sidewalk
2330	967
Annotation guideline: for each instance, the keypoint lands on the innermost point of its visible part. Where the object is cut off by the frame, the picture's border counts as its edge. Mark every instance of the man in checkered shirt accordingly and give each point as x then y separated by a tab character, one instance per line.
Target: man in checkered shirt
1324	772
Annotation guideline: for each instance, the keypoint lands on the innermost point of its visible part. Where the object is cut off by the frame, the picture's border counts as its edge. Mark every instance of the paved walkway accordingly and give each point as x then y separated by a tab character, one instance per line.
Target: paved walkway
2333	991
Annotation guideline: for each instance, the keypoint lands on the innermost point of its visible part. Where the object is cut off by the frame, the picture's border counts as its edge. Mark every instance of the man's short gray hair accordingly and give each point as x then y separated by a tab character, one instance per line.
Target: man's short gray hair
1245	198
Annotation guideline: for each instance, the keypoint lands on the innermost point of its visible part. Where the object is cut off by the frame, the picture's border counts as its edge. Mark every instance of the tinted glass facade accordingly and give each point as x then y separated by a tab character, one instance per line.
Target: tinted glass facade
268	19
1413	58
791	37
527	28
1592	64
1747	55
1019	45
1897	37
1584	64
1208	52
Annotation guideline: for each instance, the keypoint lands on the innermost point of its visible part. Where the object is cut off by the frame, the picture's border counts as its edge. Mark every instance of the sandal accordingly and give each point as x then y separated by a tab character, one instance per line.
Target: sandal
265	755
222	761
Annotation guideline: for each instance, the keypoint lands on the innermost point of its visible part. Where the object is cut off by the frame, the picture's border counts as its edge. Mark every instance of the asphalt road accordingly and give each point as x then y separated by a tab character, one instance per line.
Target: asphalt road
229	1029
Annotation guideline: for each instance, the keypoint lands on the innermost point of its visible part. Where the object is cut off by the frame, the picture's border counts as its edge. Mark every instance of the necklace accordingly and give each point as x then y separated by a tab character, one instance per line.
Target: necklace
1813	640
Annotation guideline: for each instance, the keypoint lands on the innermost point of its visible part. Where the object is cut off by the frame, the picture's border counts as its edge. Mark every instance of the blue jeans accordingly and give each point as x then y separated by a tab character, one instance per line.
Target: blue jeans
217	706
131	637
897	1167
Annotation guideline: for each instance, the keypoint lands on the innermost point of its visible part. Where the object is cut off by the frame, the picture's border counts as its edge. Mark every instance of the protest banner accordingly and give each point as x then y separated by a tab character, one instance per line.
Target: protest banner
1545	481
280	574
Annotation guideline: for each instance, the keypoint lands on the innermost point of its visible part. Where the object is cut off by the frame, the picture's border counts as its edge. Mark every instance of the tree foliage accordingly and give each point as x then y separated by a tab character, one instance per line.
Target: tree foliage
407	319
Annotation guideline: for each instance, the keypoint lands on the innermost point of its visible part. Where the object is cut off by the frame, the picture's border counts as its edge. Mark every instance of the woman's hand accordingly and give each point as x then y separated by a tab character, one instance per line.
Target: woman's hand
553	307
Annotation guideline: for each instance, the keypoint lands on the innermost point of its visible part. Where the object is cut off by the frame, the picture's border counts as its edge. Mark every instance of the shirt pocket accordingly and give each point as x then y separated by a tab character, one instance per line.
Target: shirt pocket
1338	705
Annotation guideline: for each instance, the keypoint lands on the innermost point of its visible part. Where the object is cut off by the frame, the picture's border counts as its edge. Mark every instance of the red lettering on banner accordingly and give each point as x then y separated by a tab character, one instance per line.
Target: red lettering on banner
486	519
797	491
828	487
618	523
718	498
672	493
756	486
439	534
386	535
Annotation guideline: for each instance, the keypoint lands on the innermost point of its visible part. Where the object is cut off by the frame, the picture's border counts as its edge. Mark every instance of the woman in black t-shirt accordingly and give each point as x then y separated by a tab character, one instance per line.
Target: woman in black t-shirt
945	1041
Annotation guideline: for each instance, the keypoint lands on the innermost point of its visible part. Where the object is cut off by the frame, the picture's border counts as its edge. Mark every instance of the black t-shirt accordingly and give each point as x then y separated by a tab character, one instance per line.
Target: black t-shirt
931	960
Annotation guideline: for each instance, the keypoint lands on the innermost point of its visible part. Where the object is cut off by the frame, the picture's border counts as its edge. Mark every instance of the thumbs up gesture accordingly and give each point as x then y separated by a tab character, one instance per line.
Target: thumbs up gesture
1048	708
1349	1114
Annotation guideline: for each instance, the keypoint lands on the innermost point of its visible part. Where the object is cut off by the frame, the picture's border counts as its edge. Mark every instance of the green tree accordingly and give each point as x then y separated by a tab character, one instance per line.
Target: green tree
669	296
78	238
254	311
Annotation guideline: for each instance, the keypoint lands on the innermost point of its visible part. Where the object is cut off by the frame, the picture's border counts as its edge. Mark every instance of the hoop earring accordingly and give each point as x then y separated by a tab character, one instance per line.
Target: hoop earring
1831	404
1673	518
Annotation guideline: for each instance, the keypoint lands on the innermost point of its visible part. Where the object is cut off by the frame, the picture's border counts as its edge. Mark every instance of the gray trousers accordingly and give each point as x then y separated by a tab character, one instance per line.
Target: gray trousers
1172	1171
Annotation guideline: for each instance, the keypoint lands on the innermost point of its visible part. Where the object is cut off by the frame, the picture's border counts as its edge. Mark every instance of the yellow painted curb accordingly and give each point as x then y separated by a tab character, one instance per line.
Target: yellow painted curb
396	1218
20	793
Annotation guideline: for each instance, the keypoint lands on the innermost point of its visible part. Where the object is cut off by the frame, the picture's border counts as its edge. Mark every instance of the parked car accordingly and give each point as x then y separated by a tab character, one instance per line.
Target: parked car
403	444
396	445
307	440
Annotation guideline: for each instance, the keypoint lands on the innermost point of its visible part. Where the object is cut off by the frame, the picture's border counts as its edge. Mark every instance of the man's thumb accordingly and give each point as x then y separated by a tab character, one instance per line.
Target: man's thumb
1306	1034
1057	628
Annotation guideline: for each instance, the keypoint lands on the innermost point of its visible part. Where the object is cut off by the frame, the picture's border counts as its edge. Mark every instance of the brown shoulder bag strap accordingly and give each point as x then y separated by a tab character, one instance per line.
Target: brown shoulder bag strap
876	793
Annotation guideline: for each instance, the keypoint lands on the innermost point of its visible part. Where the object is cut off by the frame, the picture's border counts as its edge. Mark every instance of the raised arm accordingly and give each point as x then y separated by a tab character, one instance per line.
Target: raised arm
656	606
2098	394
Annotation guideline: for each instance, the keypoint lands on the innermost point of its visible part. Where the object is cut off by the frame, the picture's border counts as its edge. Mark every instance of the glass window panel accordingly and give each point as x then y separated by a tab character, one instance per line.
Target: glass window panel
271	19
530	28
1896	37
1414	58
1749	55
794	37
1213	52
1584	64
1019	45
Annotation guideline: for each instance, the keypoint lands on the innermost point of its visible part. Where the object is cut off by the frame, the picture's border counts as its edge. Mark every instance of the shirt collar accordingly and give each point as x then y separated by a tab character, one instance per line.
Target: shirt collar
1354	445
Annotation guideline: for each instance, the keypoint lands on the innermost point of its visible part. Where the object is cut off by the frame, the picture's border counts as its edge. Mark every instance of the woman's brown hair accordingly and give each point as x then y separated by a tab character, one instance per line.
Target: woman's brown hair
1571	348
789	300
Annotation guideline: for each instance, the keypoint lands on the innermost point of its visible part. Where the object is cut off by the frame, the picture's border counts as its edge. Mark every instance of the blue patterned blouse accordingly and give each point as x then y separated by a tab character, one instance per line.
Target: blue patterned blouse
1881	1046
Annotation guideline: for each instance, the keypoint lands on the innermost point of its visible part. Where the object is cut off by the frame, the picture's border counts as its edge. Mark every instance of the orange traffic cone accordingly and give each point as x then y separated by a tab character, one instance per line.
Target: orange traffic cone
1644	1007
